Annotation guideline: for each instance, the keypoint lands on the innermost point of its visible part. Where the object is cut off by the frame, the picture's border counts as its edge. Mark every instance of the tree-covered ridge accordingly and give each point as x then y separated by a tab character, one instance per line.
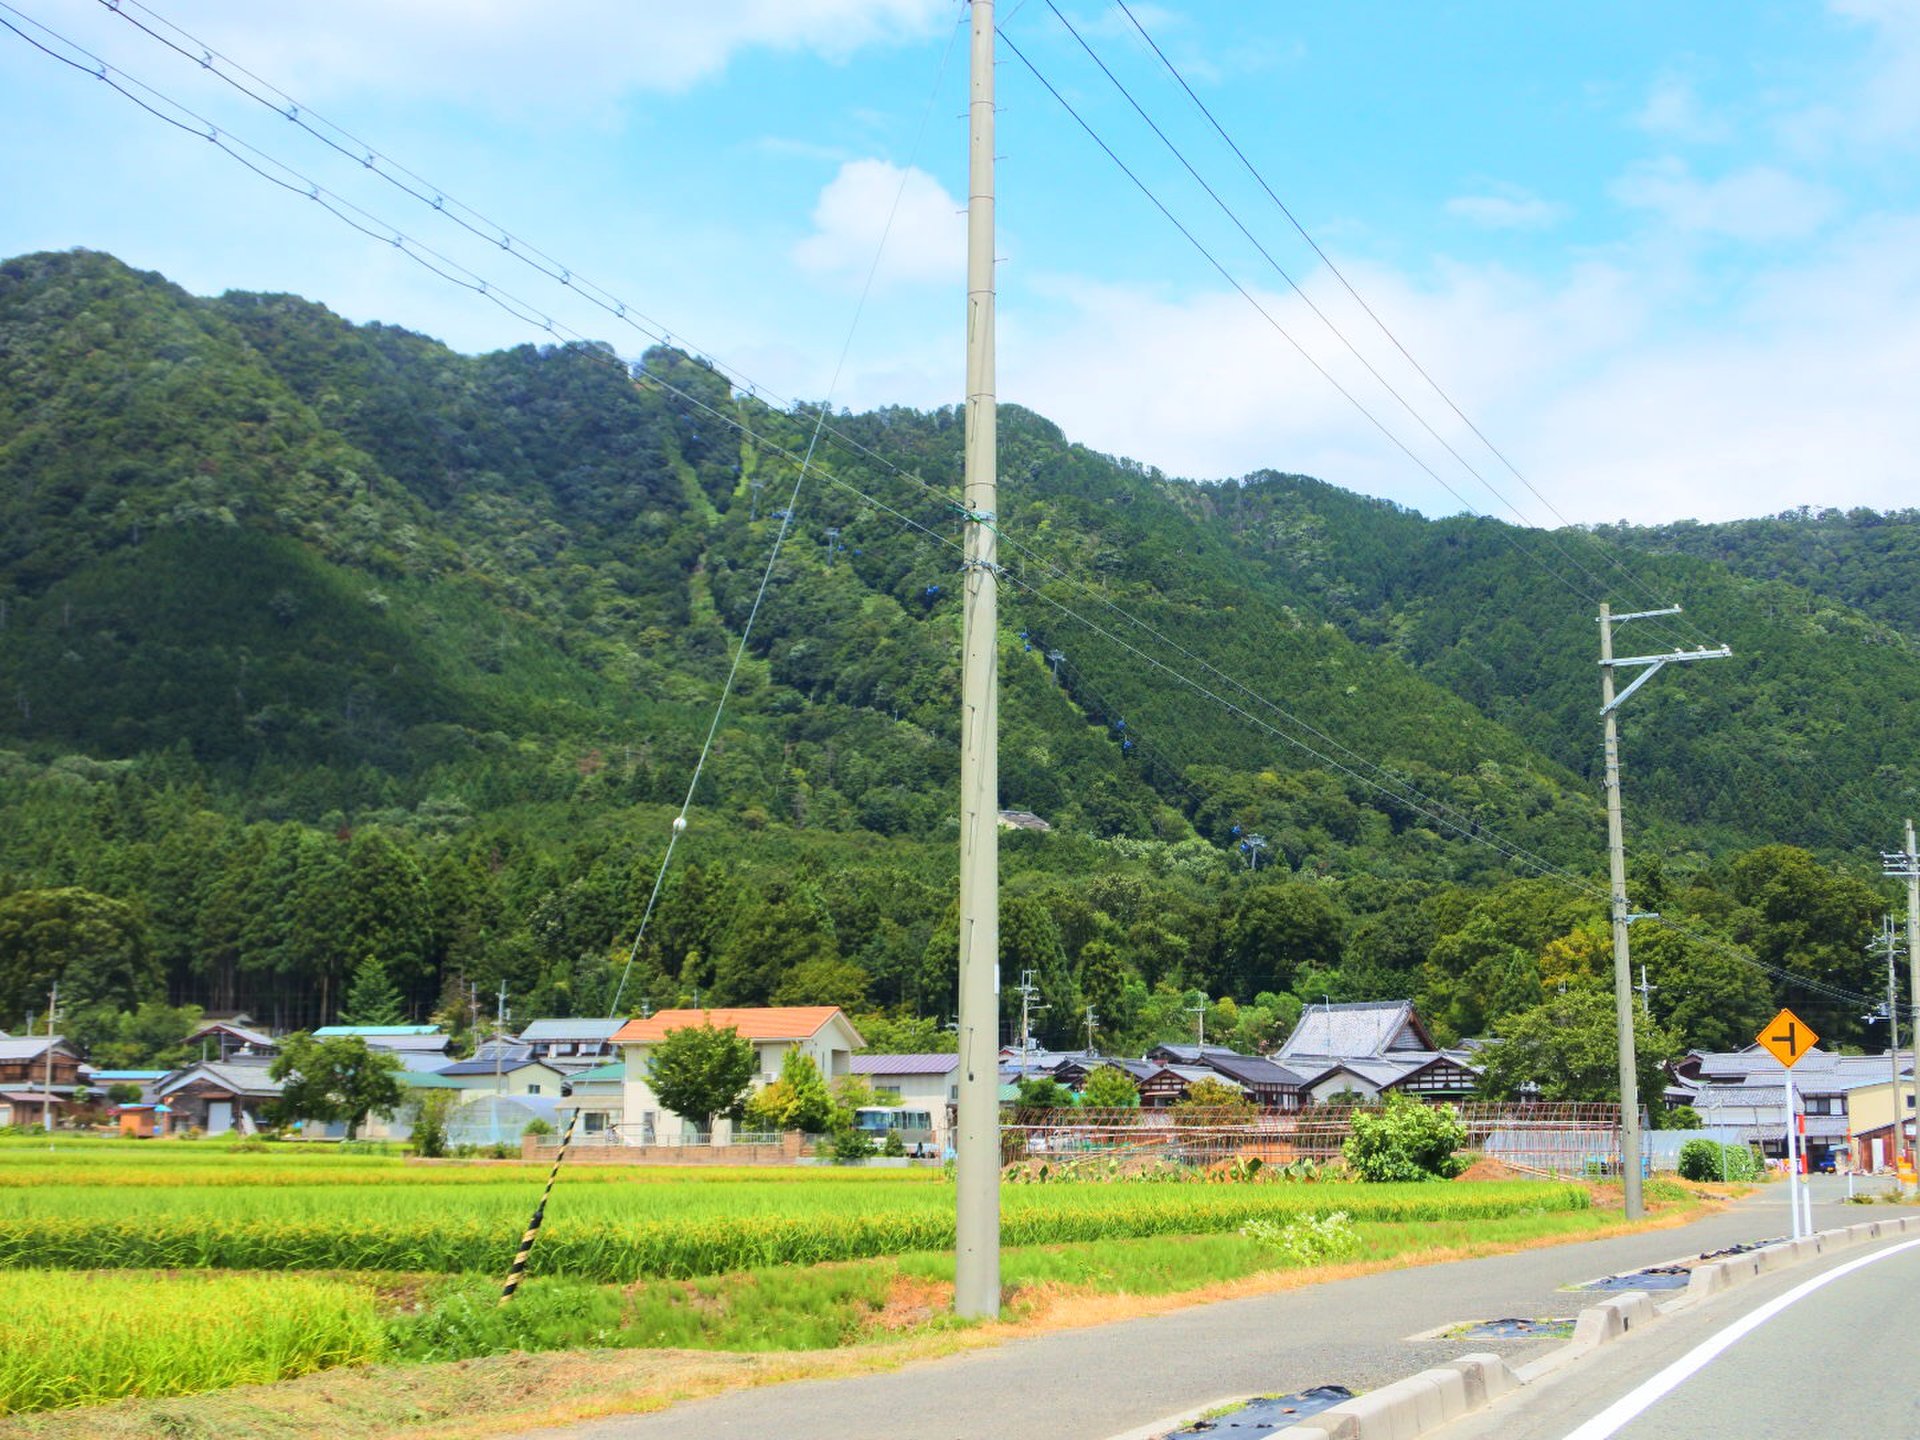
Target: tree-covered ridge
1858	559
1806	733
322	643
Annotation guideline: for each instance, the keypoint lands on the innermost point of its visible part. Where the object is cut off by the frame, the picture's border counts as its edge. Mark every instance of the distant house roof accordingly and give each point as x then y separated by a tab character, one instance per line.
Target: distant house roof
1022	820
769	1022
500	1059
135	1077
578	1029
1188	1054
239	1032
905	1064
1251	1069
1366	1029
428	1080
32	1047
391	1037
610	1073
250	1080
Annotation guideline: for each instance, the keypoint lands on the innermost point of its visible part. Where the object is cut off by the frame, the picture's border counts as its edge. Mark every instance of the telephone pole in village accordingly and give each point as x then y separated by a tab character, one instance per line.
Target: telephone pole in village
1905	865
1622	914
976	1260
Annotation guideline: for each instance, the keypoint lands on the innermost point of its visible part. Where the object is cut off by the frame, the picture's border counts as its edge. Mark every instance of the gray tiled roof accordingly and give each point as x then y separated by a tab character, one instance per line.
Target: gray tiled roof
28	1047
1360	1030
242	1079
576	1029
905	1064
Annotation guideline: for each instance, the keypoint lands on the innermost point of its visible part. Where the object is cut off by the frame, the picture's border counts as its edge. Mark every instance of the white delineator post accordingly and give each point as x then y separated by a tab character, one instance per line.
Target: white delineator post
1793	1167
976	1289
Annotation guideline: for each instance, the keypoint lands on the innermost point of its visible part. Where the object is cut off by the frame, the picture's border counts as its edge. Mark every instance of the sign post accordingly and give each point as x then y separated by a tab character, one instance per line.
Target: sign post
1787	1038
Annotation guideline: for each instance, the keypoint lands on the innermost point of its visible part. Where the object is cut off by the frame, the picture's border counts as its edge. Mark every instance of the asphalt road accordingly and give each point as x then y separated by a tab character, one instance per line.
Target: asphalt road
1094	1383
1820	1349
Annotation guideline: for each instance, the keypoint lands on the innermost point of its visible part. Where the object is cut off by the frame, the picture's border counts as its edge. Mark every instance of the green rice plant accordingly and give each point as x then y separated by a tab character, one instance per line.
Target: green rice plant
80	1339
607	1233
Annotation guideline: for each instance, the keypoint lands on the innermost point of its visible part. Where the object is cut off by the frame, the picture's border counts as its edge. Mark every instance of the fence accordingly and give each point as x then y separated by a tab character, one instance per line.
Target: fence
1557	1139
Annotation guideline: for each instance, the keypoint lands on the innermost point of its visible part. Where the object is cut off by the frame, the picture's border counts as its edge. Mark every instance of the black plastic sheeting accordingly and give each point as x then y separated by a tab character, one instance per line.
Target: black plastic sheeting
1655	1277
1751	1245
1515	1329
1267	1415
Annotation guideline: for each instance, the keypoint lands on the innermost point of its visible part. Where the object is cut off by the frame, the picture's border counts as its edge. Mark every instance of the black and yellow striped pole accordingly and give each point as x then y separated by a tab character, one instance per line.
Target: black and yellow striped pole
519	1266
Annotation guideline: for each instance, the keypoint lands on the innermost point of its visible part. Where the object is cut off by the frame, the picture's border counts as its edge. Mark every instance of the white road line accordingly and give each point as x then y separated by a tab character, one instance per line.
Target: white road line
1629	1406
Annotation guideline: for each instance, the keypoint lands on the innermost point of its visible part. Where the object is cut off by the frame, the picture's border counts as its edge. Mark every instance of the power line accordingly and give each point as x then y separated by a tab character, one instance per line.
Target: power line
1294	285
1371	313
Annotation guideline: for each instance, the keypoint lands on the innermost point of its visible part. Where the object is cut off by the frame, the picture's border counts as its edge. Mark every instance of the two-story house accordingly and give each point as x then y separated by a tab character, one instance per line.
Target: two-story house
822	1031
34	1072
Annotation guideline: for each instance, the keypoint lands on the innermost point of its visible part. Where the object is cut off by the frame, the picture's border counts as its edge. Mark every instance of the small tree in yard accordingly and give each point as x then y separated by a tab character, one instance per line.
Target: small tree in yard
701	1071
1110	1088
1406	1141
1213	1102
342	1078
1042	1092
798	1100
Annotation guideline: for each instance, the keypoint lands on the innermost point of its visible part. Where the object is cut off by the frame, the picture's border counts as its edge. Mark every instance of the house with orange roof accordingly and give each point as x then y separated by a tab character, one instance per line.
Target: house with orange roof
822	1031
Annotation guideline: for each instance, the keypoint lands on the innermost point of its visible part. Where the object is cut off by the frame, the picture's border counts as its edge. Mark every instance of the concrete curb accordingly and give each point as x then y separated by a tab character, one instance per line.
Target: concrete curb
1409	1408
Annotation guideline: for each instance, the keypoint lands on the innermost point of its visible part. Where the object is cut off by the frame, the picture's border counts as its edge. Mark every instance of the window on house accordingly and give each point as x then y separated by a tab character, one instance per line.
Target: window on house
533	1089
594	1122
888	1093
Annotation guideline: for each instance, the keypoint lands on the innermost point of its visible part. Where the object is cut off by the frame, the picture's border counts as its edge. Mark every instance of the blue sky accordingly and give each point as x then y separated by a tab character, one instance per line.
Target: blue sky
1666	256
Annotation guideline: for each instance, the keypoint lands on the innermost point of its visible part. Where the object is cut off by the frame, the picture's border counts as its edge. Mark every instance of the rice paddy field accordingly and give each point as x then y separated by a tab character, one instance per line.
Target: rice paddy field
185	1266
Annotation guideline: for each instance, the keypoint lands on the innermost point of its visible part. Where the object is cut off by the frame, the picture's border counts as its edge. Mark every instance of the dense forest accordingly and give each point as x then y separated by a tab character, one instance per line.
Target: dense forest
323	645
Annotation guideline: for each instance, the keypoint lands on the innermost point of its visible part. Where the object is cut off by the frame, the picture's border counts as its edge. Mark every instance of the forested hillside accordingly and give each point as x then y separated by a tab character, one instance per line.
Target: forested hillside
321	643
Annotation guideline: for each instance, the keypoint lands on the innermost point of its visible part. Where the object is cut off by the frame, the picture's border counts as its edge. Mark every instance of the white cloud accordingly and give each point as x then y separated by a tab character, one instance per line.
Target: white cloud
1887	103
927	240
1507	207
1673	111
1760	203
1609	395
510	56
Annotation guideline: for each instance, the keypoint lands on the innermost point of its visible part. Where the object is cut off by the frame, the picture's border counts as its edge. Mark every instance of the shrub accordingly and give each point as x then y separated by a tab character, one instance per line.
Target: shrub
1407	1140
851	1145
1710	1160
1307	1239
537	1126
893	1146
430	1129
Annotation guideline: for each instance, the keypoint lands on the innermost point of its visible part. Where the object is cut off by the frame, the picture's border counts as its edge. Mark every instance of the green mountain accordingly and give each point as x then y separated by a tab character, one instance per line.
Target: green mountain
320	641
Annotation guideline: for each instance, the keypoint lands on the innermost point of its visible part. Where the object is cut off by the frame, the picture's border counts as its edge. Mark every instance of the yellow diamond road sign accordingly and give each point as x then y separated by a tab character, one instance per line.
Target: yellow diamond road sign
1788	1037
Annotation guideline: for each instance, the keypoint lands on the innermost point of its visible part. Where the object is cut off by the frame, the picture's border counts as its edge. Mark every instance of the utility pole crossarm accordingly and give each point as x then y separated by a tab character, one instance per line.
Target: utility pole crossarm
1653	664
1622	912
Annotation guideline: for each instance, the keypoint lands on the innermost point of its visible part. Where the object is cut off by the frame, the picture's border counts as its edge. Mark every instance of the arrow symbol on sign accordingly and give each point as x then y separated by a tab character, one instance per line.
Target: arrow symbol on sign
1790	1038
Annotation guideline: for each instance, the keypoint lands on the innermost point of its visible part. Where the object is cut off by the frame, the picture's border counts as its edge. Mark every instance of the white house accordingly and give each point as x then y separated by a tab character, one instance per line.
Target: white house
910	1086
575	1044
822	1031
599	1095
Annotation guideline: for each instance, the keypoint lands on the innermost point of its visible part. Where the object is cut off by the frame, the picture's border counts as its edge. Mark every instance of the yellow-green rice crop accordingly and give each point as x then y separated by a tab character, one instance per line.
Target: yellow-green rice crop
79	1339
612	1233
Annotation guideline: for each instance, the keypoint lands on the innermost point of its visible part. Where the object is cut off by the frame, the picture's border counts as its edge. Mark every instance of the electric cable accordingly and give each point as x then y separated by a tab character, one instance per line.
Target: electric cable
1373	315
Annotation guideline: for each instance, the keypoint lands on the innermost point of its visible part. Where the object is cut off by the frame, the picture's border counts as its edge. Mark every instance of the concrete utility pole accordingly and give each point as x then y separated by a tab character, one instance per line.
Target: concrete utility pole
46	1108
1897	1134
1093	1018
1253	845
976	1287
1646	990
1617	866
500	1042
1905	865
1027	990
